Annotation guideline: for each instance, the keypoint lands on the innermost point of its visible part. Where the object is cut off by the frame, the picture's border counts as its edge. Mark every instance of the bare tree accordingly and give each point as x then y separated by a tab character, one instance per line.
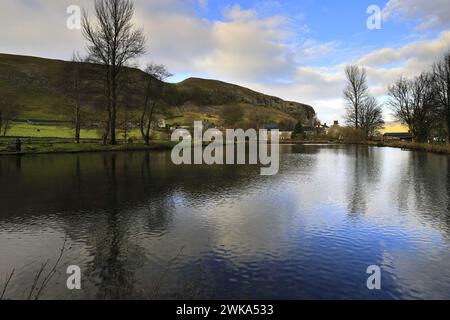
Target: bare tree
8	110
400	101
73	91
156	74
371	116
113	41
413	103
355	93
129	100
441	71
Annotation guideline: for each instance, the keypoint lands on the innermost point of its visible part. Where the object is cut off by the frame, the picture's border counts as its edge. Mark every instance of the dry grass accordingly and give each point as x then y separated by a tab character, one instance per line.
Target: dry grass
41	279
166	271
428	147
5	287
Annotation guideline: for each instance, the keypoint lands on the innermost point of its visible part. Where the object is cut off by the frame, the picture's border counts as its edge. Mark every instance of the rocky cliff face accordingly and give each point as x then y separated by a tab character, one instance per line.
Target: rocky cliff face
213	91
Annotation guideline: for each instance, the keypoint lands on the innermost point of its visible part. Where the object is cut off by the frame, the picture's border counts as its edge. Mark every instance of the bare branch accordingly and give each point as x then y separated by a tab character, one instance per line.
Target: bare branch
355	93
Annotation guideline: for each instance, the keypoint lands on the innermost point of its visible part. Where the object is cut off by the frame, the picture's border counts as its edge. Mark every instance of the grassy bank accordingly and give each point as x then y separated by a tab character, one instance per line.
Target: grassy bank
47	131
40	145
25	130
426	147
435	148
60	145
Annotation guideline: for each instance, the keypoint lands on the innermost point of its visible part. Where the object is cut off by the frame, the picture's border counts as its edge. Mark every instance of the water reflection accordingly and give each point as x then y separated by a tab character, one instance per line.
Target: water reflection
309	232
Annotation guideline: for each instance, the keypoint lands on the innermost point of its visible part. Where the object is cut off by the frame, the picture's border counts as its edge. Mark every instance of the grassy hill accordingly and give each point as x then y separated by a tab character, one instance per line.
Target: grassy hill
40	87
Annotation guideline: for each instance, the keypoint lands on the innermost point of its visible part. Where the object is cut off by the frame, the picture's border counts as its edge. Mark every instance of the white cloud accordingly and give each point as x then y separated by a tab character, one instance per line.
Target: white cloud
176	39
427	14
249	48
237	14
408	60
311	50
38	28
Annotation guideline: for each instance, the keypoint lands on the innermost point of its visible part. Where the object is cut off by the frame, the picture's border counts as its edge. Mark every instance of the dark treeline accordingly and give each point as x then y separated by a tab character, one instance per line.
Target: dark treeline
113	42
423	103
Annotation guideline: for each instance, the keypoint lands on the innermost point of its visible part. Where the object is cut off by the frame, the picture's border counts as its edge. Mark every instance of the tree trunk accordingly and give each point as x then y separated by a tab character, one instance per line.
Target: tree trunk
77	117
448	99
448	112
144	133
448	126
1	120
421	137
108	94
149	124
77	129
5	127
112	125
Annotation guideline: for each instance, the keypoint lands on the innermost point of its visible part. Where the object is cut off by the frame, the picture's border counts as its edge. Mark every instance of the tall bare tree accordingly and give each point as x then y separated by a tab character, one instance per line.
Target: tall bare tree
73	91
371	116
156	74
400	101
355	93
8	110
113	41
129	100
414	104
441	72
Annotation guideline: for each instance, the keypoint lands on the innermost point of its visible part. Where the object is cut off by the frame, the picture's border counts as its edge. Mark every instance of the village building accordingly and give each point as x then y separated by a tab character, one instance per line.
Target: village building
402	136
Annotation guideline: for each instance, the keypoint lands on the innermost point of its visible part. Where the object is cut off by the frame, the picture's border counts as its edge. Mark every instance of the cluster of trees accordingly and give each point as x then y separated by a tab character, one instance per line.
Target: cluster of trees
113	42
364	112
423	103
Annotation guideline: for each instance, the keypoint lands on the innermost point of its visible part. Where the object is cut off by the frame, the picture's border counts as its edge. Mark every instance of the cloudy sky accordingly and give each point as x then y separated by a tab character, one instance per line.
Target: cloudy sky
294	49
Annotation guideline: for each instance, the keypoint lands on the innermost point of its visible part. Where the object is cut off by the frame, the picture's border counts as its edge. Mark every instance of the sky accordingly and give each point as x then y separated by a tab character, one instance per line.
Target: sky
293	49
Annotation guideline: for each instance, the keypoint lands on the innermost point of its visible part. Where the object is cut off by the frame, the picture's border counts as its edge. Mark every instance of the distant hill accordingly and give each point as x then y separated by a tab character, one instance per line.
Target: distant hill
40	86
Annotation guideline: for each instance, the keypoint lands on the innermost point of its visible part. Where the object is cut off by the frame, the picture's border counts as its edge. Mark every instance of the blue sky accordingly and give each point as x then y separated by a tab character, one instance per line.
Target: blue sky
343	22
294	49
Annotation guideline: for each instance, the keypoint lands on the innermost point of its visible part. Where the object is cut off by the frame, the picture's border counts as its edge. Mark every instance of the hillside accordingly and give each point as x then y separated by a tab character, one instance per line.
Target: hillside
40	89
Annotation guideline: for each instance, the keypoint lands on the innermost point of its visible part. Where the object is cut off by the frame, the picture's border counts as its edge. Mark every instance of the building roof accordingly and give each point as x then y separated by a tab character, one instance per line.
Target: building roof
270	126
398	135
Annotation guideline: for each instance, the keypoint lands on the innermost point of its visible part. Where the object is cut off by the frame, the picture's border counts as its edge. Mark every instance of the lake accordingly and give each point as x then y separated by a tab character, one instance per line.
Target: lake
140	227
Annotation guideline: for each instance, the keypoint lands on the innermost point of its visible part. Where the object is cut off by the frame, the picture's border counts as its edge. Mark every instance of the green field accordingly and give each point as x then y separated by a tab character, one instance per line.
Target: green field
47	131
60	138
37	139
60	131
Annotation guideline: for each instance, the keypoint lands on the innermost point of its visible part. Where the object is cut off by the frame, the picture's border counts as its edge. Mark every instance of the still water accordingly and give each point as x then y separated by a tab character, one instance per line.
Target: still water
140	227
